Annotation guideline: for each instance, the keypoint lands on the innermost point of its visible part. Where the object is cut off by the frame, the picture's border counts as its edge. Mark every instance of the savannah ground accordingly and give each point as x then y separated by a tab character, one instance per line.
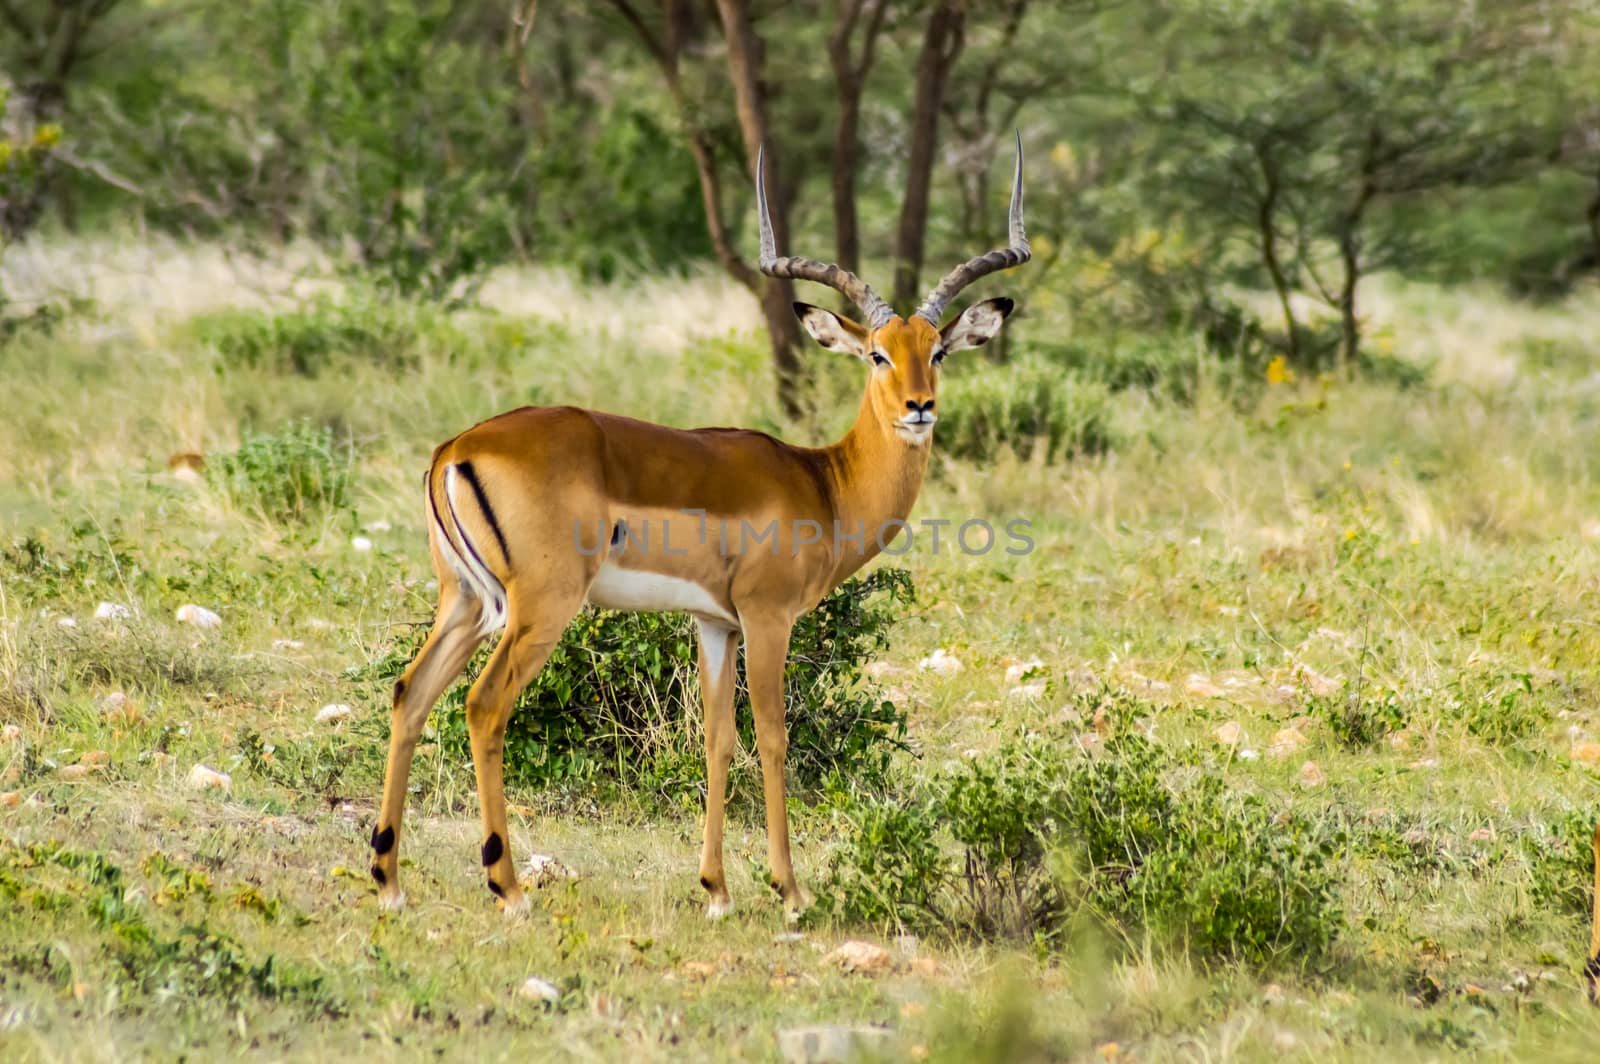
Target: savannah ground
1422	551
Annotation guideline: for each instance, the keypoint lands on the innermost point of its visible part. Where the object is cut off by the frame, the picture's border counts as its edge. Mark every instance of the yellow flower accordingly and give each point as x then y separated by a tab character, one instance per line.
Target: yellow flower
1278	371
5	153
1349	533
47	135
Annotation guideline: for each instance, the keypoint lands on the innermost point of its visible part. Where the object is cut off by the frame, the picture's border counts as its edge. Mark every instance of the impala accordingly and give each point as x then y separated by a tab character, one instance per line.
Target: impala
533	513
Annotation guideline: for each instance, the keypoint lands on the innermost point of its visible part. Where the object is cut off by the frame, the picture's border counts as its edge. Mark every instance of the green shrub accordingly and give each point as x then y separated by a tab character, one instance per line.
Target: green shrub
323	334
1560	859
1029	405
1166	364
290	476
1356	719
1019	842
610	703
1502	709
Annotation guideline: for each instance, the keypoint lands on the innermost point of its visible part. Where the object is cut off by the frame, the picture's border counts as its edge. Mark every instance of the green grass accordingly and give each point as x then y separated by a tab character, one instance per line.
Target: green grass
1405	574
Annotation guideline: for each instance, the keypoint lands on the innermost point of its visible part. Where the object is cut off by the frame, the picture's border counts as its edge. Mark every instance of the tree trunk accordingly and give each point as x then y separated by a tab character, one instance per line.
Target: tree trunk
783	329
850	78
745	55
940	46
1266	223
1593	216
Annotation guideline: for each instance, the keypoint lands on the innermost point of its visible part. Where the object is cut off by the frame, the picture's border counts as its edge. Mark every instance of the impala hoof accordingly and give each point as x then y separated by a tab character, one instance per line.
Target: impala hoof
718	908
797	904
514	907
391	901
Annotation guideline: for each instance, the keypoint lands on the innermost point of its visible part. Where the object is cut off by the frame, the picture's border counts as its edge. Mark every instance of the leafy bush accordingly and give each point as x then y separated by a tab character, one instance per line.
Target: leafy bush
1560	860
611	702
1017	843
1165	364
1357	721
1027	405
290	476
1502	709
321	335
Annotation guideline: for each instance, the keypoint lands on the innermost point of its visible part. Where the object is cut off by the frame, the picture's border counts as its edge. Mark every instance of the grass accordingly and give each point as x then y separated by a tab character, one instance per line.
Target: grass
1404	575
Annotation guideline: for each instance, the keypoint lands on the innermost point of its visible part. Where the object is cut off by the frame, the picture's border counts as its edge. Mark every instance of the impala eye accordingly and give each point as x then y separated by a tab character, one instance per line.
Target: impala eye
880	359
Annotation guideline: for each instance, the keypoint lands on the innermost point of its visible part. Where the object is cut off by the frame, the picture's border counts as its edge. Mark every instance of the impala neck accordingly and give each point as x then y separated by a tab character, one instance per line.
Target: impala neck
876	477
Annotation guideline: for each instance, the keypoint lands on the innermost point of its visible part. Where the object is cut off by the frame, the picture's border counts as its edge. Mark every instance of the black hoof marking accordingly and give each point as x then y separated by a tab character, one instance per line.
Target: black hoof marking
1592	970
706	883
493	849
399	689
377	874
497	889
382	842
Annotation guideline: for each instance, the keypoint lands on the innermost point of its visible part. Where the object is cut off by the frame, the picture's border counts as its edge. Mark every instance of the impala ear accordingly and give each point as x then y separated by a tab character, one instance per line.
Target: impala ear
831	331
977	325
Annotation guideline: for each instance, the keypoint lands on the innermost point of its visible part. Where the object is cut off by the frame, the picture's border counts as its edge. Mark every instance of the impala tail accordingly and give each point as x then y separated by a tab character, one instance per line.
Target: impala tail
454	489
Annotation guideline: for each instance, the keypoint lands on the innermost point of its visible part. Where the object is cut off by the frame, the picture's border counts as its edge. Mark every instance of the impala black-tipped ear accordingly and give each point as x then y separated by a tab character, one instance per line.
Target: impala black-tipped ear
978	324
831	331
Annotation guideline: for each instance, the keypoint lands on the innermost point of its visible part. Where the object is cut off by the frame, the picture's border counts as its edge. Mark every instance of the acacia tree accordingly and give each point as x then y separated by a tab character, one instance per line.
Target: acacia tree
1333	109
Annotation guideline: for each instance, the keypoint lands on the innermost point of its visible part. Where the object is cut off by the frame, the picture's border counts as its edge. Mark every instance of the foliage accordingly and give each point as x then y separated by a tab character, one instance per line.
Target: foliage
1023	841
613	702
1560	859
1358	718
289	476
1029	405
323	335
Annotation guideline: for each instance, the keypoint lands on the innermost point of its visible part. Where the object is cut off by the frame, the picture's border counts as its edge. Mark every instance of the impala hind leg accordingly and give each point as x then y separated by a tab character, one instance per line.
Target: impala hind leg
514	663
719	649
445	653
766	653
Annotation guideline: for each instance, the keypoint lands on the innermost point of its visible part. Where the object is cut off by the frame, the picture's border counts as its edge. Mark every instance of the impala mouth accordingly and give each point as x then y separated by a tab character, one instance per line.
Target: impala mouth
916	428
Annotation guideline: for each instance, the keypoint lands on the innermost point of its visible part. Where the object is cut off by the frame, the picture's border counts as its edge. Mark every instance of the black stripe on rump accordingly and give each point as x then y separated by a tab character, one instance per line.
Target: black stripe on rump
433	507
483	504
450	504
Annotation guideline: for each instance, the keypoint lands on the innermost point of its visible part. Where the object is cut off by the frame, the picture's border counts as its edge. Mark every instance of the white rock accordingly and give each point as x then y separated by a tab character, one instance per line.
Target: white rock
67	622
202	778
827	1045
942	663
536	989
1018	672
541	866
867	958
1228	733
361	543
287	644
1027	691
1311	775
112	611
1201	687
882	670
333	712
198	616
1248	755
379	525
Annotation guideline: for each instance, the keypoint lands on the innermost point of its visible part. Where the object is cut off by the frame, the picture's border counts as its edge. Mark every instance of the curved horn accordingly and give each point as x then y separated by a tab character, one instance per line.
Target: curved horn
853	288
1003	259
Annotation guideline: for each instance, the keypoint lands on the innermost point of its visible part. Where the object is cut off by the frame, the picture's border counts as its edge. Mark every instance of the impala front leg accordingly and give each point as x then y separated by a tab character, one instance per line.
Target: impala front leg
766	653
718	678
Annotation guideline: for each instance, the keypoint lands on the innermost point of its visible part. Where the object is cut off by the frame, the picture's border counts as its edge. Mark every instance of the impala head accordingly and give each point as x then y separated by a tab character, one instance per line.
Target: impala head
905	353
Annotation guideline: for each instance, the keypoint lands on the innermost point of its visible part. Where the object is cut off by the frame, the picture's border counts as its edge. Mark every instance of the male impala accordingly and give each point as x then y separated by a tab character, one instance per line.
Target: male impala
534	512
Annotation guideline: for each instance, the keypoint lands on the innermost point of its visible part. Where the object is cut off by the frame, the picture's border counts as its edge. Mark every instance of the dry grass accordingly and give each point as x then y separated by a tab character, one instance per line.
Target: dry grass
1226	560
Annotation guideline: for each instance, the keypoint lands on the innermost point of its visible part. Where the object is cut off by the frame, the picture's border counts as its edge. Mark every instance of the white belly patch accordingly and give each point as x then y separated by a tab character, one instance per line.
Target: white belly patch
616	588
